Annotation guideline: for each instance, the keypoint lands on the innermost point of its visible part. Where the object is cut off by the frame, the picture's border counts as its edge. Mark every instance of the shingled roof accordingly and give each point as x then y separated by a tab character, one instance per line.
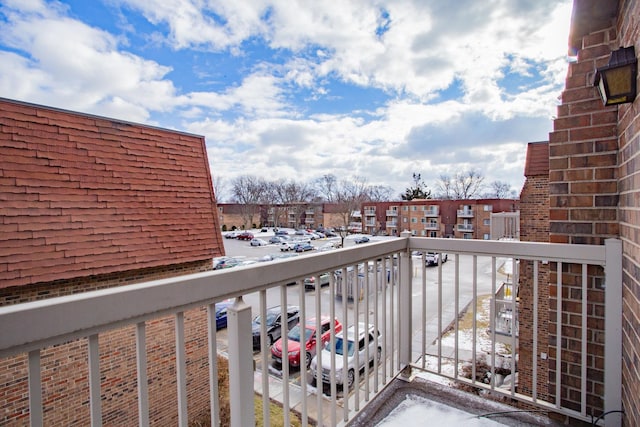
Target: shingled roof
82	195
537	162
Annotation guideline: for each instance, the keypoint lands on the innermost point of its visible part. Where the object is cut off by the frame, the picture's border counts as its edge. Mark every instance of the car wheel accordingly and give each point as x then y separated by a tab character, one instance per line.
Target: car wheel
350	377
308	360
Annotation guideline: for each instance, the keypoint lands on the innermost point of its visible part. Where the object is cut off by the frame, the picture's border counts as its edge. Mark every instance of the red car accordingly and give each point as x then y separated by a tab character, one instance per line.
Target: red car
245	236
293	341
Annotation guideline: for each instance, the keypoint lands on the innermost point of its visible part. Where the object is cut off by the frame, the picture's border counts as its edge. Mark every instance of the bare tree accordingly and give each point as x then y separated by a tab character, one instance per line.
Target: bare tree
462	186
500	190
247	192
220	188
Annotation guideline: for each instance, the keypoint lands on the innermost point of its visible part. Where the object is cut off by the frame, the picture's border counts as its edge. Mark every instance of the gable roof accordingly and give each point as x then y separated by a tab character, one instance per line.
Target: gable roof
82	195
537	162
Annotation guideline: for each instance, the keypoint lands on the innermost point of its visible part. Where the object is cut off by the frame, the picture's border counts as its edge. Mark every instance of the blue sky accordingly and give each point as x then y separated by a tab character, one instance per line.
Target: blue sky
289	89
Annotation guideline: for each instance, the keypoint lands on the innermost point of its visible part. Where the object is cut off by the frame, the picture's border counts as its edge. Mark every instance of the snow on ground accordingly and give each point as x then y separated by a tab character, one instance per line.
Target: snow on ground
417	411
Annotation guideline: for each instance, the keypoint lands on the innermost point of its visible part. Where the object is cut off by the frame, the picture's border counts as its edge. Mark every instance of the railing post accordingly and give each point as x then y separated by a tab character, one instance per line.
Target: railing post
613	331
240	364
404	304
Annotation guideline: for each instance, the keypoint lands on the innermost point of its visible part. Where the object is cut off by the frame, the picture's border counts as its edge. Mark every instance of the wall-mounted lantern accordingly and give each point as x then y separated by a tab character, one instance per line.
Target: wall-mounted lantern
616	82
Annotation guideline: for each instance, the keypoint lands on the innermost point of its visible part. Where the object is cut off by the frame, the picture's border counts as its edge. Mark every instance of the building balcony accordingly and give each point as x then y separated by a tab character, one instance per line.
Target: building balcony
369	212
431	226
464	227
377	283
309	221
309	212
391	212
392	224
465	213
431	212
370	223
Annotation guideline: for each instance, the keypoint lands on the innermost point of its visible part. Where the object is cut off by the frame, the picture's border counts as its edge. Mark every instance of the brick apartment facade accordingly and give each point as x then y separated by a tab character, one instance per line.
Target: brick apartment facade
594	194
88	203
534	227
463	219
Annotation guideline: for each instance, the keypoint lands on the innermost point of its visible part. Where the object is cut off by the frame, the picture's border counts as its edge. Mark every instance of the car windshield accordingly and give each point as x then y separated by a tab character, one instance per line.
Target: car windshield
271	318
340	347
294	334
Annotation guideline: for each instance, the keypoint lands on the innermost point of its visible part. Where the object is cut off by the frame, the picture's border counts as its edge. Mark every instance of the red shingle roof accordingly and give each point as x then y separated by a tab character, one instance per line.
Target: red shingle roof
537	162
82	195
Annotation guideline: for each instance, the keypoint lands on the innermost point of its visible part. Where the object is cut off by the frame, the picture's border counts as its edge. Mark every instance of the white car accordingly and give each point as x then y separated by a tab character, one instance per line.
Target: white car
349	346
288	245
432	258
258	242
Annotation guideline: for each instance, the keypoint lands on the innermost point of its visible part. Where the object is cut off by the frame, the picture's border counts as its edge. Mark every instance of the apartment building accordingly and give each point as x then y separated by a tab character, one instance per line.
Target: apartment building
463	219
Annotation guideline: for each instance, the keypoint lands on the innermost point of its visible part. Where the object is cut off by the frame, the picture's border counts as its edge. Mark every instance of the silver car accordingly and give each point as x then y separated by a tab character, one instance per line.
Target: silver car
349	346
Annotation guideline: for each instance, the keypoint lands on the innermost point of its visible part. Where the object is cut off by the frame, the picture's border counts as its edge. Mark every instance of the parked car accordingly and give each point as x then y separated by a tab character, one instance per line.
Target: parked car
231	234
224	262
433	258
348	343
361	239
303	247
288	246
295	337
282	233
310	282
245	235
274	324
278	239
258	242
221	313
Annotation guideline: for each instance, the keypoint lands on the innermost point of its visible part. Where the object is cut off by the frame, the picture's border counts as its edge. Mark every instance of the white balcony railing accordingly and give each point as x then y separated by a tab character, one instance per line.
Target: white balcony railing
465	227
465	213
377	283
391	212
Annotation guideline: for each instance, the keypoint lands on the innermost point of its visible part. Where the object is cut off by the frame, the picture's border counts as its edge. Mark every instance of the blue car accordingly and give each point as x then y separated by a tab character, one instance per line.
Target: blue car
221	313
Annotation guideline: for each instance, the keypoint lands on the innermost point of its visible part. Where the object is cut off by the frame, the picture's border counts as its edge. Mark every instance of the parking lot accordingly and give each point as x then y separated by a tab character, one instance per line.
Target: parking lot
244	251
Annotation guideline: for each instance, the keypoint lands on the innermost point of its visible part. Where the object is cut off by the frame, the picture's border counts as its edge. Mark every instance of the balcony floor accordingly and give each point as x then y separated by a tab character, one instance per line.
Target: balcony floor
443	400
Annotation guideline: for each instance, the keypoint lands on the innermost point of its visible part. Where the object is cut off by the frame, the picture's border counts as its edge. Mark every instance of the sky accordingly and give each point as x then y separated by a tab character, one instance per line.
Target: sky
288	89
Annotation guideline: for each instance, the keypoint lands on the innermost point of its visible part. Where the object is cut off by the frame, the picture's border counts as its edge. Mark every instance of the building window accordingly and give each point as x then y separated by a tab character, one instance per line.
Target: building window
404	220
433	234
486	222
414	208
467	236
413	220
405	208
488	208
486	236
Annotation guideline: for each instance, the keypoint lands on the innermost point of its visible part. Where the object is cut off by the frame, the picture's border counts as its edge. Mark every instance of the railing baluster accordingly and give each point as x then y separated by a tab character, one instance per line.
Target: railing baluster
264	355
456	311
376	322
332	314
285	351
319	399
439	320
492	316
558	334
392	313
345	324
583	368
356	307
214	406
474	324
303	351
367	342
534	362
181	370
514	323
386	288
423	323
95	397
35	389
141	368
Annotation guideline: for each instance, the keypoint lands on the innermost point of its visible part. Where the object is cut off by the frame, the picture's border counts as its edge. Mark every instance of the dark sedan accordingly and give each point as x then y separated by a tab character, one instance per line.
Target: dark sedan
221	313
274	324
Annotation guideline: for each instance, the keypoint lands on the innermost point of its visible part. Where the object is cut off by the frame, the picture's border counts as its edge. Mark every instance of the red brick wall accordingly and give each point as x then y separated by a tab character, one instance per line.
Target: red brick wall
534	227
64	367
83	195
629	186
583	190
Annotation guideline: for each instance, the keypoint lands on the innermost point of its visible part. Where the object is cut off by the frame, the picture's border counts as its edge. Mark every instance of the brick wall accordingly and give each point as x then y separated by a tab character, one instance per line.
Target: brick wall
65	372
583	191
534	227
629	186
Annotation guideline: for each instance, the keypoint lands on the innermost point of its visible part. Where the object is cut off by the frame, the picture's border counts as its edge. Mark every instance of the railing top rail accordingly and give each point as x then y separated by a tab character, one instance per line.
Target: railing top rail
589	254
91	312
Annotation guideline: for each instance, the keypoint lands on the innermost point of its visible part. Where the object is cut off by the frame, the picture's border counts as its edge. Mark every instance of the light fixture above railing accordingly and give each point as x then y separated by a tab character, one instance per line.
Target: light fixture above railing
616	81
